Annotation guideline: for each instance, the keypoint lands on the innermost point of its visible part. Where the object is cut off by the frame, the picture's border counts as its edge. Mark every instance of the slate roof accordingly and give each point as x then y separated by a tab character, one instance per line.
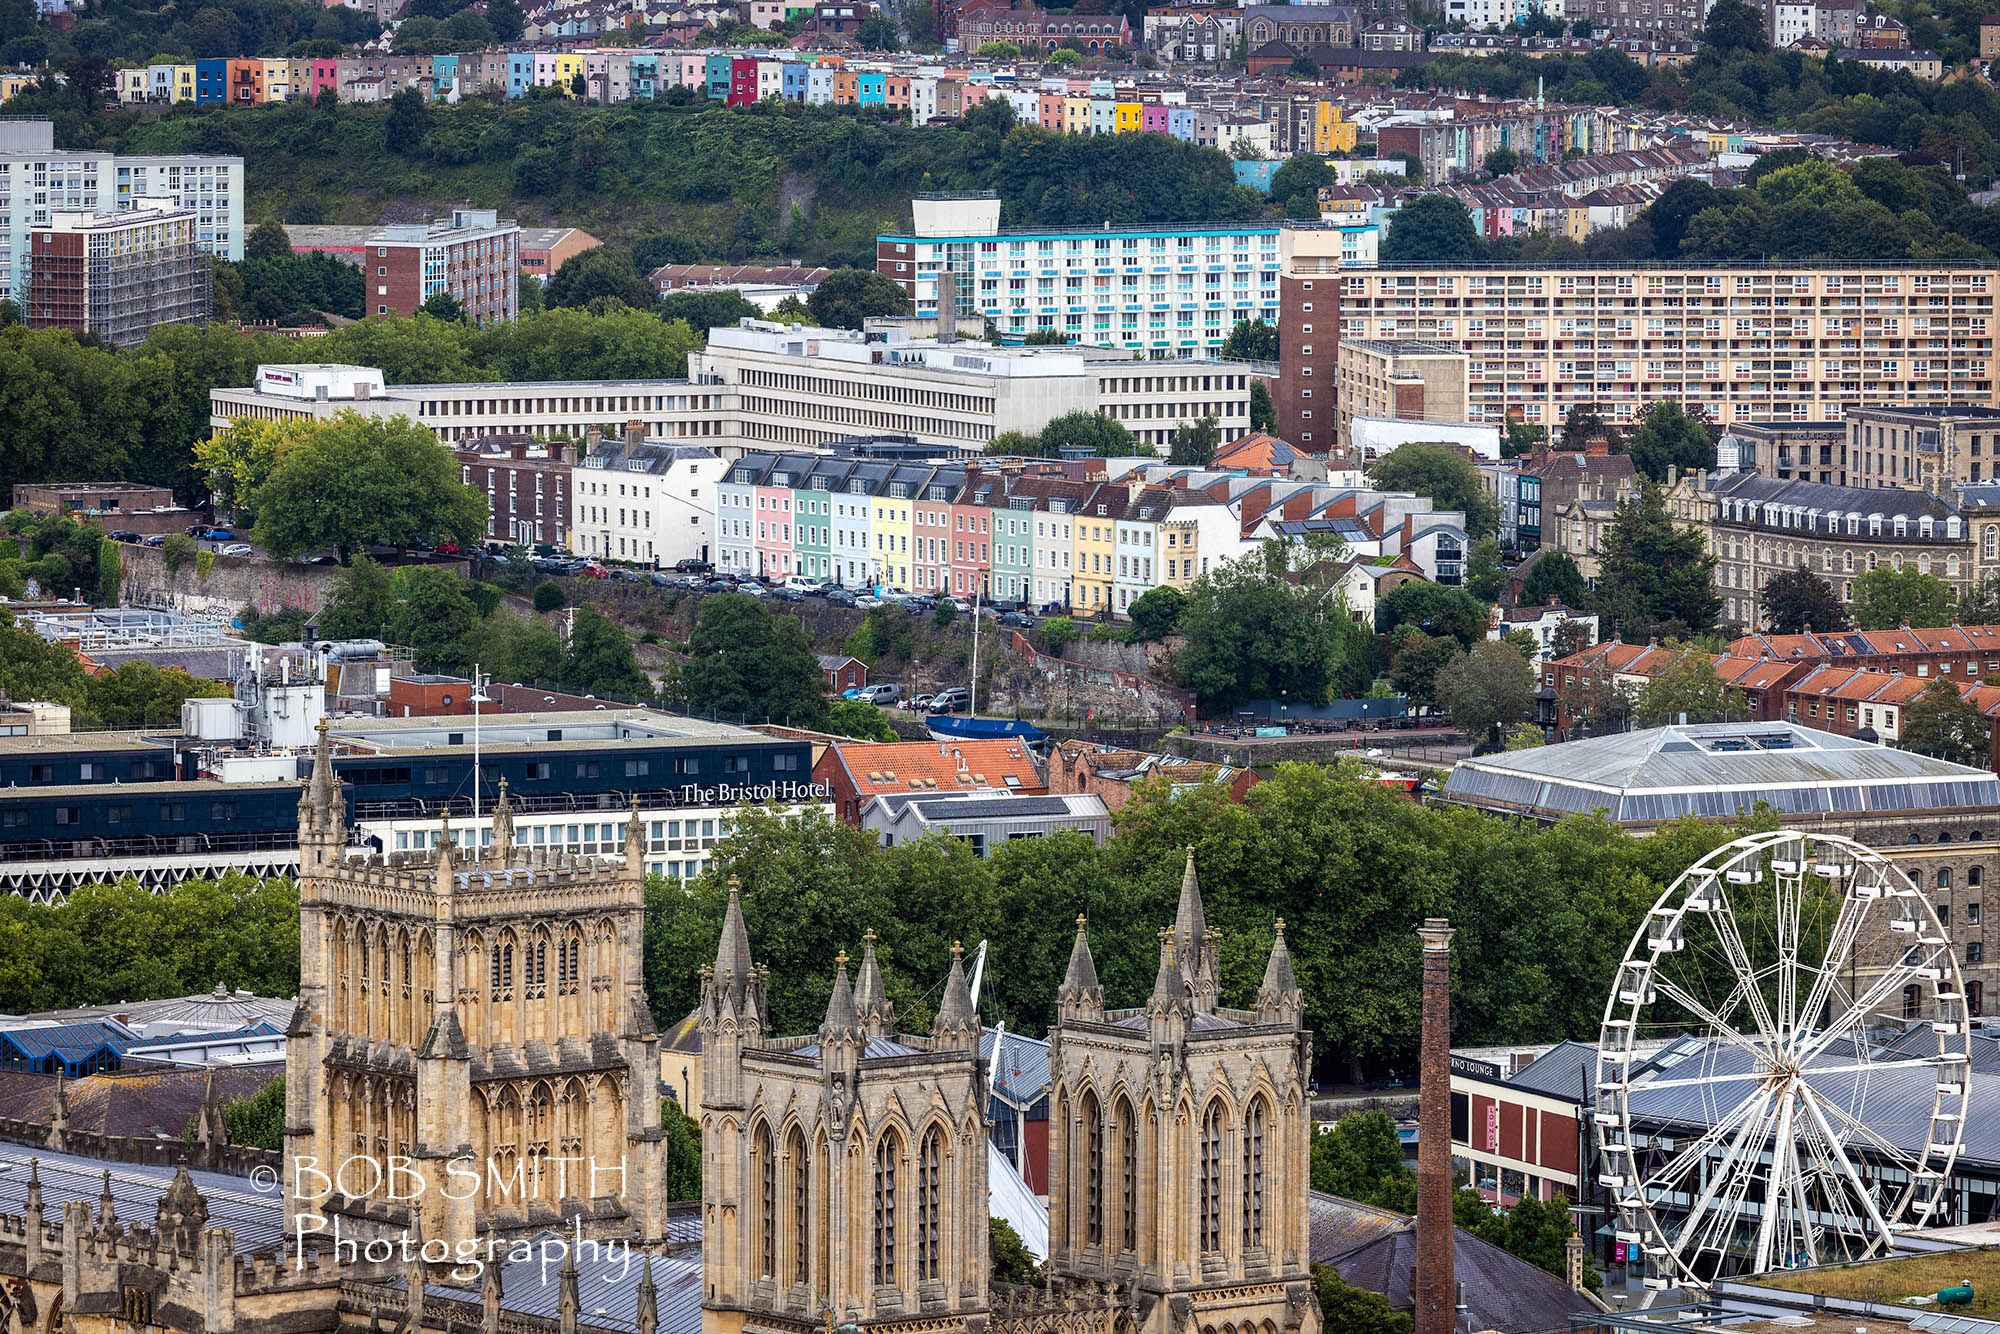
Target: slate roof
258	1218
1568	1070
1502	1291
144	1099
1022	1075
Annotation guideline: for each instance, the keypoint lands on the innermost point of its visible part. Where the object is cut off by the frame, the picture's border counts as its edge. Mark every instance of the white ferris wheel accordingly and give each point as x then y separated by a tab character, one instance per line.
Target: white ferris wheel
1783	1063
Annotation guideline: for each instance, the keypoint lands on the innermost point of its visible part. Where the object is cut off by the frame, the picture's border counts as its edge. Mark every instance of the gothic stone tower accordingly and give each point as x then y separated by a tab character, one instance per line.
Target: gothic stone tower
1177	1141
474	1011
842	1172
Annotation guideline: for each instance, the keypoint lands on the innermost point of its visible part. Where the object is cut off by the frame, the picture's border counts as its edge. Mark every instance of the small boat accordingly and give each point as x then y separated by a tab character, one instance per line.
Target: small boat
957	727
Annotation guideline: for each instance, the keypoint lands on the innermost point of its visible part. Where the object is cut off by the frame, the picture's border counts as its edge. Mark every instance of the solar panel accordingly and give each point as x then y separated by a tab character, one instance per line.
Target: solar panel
1954	1324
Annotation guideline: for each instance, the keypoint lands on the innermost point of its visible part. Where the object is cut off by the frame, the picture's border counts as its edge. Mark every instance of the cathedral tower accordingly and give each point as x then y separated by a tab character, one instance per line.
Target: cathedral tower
1177	1142
476	1010
844	1171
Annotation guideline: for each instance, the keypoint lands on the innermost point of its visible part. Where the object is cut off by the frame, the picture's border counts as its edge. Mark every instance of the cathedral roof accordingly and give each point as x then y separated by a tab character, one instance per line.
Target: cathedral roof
1082	973
1278	975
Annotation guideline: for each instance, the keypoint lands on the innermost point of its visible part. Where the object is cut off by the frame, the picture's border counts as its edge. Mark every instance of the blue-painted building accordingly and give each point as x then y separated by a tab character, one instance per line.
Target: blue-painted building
520	73
444	77
645	75
873	89
792	80
716	73
211	81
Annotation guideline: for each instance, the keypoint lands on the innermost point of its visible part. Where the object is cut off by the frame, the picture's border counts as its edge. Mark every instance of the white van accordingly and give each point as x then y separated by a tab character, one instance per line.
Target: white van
800	583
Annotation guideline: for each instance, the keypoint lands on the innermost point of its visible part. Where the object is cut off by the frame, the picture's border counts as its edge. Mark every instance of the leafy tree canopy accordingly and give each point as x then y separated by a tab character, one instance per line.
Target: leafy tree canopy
1797	598
1885	598
1446	476
353	480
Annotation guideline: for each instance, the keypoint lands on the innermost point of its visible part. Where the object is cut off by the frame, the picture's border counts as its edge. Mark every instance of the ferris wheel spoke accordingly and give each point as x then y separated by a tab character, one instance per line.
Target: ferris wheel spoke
1692	1156
1775	1187
1724	918
1870	1067
1895	1153
1886	985
1723	1028
1840	943
1722	1181
1844	1173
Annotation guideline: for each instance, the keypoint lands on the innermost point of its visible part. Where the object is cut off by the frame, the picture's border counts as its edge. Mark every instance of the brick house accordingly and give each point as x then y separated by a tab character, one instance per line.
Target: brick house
857	771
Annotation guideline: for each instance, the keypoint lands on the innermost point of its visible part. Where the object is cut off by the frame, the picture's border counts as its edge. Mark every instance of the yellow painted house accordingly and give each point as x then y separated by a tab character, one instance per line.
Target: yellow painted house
1076	115
184	83
568	66
1127	117
892	526
1096	550
11	84
1332	131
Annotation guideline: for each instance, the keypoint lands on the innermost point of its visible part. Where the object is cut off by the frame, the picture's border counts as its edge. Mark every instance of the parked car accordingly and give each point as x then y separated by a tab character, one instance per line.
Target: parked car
447	548
591	570
1017	620
951	701
782	593
867	601
753	589
156	540
717	586
237	549
693	567
321	559
919	703
840	597
852	692
882	692
122	535
218	534
800	583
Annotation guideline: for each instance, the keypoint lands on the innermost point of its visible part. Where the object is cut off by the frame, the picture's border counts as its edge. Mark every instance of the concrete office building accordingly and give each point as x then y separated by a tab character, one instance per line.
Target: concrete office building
668	409
794	385
1799	343
39	180
1399	380
1171	291
117	275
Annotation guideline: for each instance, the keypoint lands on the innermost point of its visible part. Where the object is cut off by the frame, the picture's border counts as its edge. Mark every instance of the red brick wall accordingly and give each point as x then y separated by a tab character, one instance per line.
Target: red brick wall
1312	434
1410	402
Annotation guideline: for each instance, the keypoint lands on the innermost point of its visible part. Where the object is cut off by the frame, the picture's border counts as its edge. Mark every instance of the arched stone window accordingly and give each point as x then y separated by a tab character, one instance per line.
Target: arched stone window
1210	1219
885	1210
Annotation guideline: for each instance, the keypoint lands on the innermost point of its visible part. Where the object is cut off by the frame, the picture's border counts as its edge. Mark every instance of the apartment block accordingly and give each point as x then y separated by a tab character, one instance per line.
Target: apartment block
460	413
119	275
39	180
1170	291
797	386
1798	343
1402	379
473	256
644	501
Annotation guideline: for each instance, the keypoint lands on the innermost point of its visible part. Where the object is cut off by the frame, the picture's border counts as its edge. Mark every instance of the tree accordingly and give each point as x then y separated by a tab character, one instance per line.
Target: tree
846	297
549	596
601	271
1295	186
998	51
1432	229
409	120
442	305
1583	423
1885	599
1302	67
1554	577
1484	578
1593	702
258	1121
1263	413
1156	613
1446	476
1195	443
750	663
1502	161
703	311
1434	609
1942	722
353	480
240	460
1253	340
1656	579
1251	634
1064	57
360	605
1011	1261
683	1132
267	240
143	694
1361	1159
1087	434
1046	338
1353	1310
1570	637
1796	599
1732	27
1688	691
1668	438
1489	687
858	719
1420	660
598	659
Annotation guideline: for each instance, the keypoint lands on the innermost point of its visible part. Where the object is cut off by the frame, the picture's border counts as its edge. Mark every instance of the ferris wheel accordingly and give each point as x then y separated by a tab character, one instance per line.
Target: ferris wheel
1783	1063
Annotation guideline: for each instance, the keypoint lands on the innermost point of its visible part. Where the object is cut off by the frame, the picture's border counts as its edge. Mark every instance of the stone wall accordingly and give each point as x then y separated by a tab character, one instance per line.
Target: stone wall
230	583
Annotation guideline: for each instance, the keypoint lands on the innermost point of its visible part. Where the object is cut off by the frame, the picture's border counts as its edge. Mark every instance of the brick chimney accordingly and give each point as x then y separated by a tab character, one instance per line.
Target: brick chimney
1435	1290
1597	447
592	439
635	434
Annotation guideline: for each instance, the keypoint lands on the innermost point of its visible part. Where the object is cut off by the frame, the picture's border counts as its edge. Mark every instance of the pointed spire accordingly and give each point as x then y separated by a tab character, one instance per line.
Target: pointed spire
871	996
1168	988
1190	923
956	1017
635	840
503	826
569	1302
648	1316
34	1185
1278	970
732	953
841	1016
322	791
1082	973
1080	996
107	1212
414	1279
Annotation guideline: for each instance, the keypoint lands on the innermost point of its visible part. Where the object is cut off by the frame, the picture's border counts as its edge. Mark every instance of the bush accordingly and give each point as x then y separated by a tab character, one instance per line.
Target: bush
177	551
1058	633
549	596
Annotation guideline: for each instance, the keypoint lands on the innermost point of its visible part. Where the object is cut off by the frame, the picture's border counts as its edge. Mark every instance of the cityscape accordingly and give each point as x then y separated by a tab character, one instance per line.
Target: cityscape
1183	668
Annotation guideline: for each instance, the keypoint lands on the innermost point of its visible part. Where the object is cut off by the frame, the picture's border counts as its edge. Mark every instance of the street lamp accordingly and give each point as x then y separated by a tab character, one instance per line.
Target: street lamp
480	680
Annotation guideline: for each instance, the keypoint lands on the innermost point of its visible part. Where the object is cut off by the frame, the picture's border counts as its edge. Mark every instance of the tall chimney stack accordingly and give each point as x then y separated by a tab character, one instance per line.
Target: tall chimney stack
1436	1295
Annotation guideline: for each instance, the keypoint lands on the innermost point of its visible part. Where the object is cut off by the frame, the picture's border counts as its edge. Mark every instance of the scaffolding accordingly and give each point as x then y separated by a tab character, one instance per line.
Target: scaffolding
120	294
